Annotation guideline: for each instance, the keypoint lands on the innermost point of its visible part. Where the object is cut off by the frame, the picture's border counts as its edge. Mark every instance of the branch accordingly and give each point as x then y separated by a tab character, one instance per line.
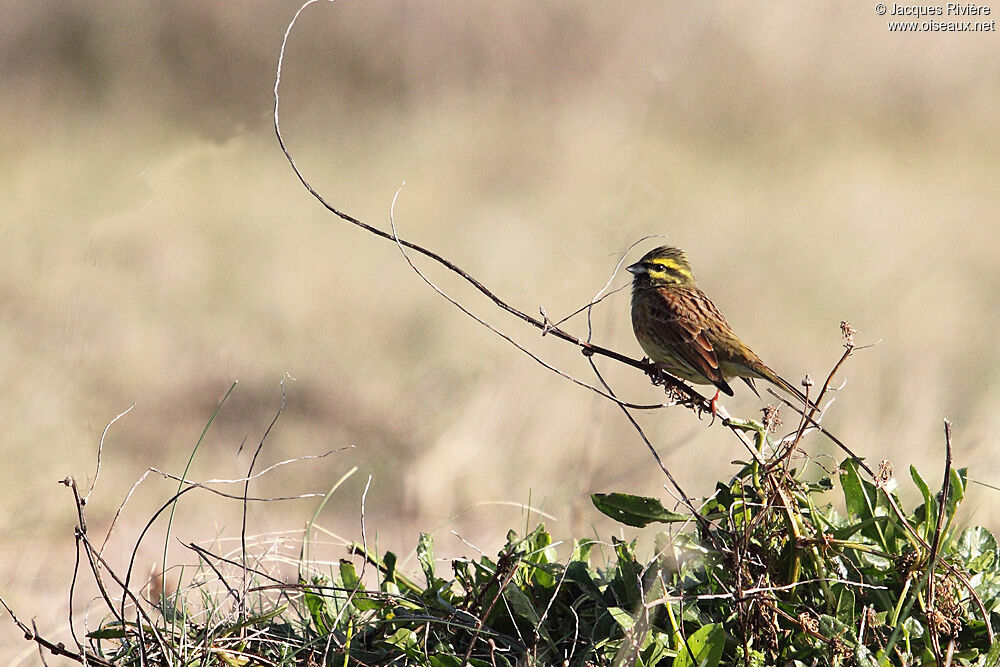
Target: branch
59	649
932	558
587	348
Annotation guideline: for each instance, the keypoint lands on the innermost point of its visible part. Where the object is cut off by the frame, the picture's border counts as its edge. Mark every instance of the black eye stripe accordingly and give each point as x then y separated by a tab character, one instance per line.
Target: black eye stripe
671	273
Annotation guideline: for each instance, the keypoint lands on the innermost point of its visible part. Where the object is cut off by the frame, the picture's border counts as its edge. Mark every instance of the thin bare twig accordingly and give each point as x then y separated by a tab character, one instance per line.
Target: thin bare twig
685	499
601	296
187	483
56	649
361	576
587	348
81	529
506	337
952	570
764	589
100	450
135	548
140	613
502	582
203	556
121	508
834	439
942	506
935	543
246	490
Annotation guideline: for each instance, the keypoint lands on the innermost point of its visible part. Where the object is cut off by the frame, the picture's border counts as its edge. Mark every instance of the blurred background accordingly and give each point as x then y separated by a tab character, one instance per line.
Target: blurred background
156	247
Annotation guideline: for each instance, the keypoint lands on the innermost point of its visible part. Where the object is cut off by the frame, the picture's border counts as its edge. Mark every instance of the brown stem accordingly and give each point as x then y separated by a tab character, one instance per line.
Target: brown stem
935	543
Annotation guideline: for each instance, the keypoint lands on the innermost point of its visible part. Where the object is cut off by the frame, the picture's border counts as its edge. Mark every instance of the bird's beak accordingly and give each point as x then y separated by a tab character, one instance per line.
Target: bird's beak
636	268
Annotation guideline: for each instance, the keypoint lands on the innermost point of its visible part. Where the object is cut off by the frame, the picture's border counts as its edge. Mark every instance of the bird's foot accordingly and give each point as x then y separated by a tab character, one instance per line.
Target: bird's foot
714	404
653	371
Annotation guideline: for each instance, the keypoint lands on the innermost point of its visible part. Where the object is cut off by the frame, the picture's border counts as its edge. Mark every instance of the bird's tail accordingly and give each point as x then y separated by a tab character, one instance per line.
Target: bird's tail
786	386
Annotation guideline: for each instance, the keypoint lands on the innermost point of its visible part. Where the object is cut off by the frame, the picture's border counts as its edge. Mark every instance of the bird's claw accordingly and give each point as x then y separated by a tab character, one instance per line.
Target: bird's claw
714	404
653	371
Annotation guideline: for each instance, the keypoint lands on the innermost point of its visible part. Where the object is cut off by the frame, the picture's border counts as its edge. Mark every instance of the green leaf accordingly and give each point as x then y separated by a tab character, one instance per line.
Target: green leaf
406	641
625	551
541	554
657	649
706	644
626	586
108	632
522	607
913	628
318	605
352	582
623	618
862	500
425	555
520	604
845	605
921	484
539	546
993	657
581	550
251	621
930	508
390	571
578	573
636	511
833	627
956	490
859	495
977	548
864	657
349	576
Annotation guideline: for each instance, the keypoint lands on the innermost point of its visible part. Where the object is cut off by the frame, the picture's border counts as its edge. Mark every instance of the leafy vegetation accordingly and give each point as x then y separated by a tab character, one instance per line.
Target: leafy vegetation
767	572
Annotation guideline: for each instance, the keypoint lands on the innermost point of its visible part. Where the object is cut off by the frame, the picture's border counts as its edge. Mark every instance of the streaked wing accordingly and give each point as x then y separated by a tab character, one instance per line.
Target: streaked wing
678	320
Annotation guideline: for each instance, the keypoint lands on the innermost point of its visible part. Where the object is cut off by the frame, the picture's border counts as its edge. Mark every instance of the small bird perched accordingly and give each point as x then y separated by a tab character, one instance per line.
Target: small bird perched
682	331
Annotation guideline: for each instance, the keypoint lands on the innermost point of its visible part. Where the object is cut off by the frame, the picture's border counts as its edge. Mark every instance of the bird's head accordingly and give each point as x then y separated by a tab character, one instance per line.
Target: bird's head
663	266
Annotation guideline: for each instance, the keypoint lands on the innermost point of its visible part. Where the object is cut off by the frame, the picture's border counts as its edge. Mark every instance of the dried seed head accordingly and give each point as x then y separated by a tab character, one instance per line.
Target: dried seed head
848	331
947	600
764	626
884	474
940	624
907	561
674	395
807	381
876	629
809	622
840	649
771	420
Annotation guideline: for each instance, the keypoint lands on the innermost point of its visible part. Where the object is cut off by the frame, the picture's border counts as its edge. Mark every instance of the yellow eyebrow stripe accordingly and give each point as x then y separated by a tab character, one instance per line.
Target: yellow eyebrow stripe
666	265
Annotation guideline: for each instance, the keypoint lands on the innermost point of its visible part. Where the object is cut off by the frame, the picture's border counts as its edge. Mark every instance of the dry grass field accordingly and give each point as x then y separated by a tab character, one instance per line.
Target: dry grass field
156	247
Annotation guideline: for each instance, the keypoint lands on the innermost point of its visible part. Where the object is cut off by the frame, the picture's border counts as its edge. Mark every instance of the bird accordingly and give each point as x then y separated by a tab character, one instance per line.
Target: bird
683	333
